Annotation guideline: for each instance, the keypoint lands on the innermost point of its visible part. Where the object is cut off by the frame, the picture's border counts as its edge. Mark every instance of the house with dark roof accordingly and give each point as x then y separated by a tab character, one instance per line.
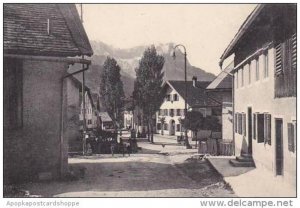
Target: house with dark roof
172	107
265	90
40	42
221	90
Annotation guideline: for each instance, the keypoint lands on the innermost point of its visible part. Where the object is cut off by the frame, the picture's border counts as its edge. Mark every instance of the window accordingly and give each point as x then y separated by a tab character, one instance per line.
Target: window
278	59
171	112
158	126
168	97
267	132
236	123
159	112
89	121
285	68
178	112
244	132
291	137
178	127
237	80
260	128
165	112
13	93
254	125
175	97
242	76
239	123
257	68
266	64
165	126
249	73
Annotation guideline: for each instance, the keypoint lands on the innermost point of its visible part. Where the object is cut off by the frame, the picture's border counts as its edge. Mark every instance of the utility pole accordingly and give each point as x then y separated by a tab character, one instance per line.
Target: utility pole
188	146
83	96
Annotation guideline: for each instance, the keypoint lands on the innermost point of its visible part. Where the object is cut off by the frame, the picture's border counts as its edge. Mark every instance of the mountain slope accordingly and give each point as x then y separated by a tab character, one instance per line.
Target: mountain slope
128	59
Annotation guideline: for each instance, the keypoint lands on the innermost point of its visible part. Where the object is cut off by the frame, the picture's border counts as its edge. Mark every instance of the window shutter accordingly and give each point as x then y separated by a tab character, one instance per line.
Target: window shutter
235	122
278	59
254	125
260	128
240	123
267	132
294	51
244	124
291	141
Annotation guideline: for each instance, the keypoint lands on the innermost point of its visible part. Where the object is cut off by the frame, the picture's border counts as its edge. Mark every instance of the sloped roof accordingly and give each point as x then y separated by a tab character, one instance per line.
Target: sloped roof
223	80
105	117
197	96
25	28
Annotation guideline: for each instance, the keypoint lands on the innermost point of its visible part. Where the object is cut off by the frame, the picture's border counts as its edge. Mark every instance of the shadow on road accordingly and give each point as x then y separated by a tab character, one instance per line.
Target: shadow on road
131	176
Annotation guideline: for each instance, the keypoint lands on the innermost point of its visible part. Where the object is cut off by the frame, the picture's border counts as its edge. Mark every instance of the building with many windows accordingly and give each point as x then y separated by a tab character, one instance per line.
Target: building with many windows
264	74
172	108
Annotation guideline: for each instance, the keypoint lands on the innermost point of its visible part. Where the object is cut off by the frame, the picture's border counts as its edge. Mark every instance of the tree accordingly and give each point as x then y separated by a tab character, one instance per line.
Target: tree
111	90
162	121
194	121
148	86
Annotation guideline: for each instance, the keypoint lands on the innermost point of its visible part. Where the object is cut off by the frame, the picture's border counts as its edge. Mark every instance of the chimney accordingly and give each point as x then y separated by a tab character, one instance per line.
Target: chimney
194	81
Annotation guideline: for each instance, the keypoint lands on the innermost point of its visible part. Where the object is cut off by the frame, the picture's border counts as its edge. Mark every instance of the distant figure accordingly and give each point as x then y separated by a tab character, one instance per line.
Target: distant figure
128	149
112	148
122	146
163	145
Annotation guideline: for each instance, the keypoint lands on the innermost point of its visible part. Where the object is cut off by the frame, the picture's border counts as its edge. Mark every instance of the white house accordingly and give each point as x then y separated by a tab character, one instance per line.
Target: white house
91	116
172	108
265	89
128	119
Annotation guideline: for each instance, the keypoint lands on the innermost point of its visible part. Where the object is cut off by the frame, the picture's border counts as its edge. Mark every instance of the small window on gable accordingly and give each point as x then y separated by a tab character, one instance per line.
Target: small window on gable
175	97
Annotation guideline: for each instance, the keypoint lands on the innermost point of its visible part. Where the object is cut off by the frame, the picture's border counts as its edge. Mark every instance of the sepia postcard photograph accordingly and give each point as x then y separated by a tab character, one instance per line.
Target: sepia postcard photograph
149	100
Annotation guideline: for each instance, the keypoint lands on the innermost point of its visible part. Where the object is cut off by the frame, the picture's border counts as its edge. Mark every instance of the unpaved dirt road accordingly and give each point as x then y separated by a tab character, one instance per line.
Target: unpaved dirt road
151	173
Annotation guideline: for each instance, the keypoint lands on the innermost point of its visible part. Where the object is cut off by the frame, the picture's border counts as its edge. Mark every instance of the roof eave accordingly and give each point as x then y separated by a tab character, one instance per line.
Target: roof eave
243	29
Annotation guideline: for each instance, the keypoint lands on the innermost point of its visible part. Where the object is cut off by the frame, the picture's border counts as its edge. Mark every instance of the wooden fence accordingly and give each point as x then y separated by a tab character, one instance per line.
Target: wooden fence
213	144
216	147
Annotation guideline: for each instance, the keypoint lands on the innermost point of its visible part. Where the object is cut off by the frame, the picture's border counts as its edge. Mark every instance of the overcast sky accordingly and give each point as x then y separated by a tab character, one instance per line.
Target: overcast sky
205	29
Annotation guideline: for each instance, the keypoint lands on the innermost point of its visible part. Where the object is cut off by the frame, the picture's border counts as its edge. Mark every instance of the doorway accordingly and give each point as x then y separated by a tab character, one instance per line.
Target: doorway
279	146
249	130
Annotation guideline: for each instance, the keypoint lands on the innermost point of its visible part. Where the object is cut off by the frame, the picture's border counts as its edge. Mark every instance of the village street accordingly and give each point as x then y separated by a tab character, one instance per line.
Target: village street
156	171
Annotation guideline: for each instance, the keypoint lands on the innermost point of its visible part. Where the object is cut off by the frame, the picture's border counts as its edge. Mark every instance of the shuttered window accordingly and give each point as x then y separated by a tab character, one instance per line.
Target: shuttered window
267	124
260	128
285	68
165	126
240	124
294	51
235	122
178	127
291	137
278	59
257	69
266	64
254	125
244	132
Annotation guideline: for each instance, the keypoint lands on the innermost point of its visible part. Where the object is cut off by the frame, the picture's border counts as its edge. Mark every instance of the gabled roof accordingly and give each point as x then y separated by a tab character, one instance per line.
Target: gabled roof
223	80
105	117
25	28
197	96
